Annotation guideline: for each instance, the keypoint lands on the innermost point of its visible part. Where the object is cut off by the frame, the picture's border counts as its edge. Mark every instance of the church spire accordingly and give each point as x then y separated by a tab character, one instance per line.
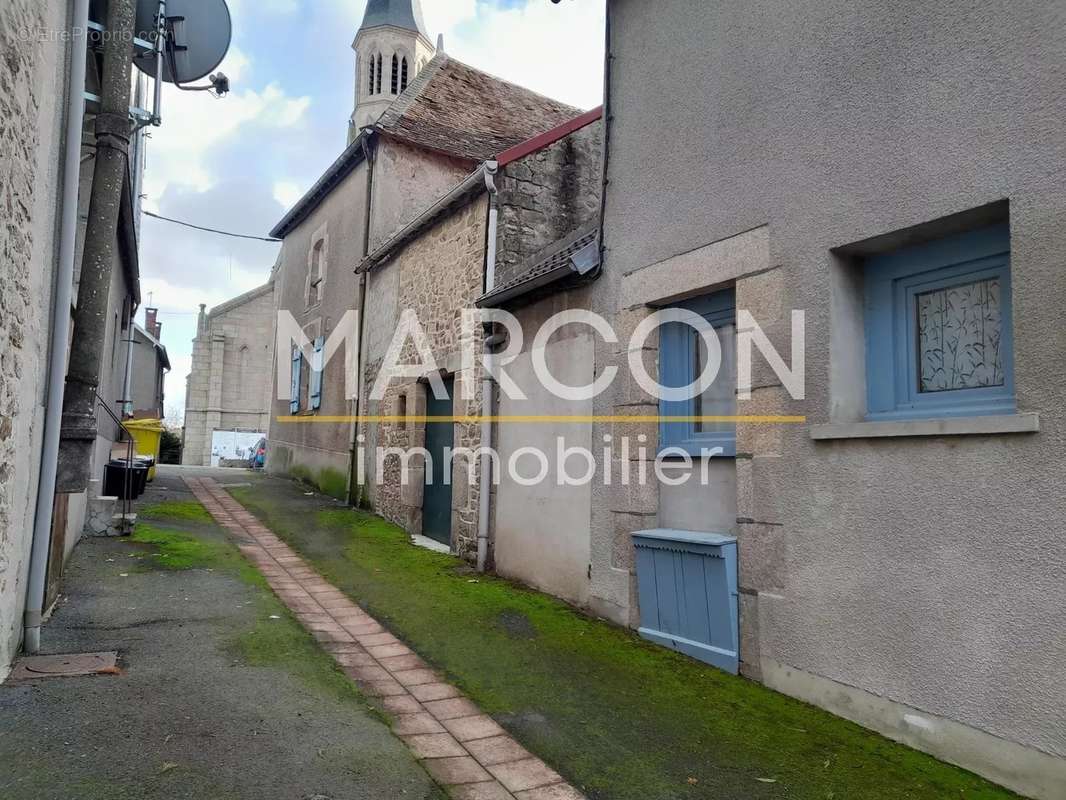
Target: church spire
406	14
391	48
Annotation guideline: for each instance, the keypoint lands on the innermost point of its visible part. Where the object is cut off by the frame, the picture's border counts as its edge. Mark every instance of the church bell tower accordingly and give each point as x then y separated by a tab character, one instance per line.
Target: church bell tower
391	48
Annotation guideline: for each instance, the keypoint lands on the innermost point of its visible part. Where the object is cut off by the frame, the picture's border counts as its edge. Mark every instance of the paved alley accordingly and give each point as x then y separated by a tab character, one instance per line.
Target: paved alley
200	710
461	747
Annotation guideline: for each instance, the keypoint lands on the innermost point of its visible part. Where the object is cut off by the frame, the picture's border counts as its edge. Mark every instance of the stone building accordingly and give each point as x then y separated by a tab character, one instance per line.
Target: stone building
46	207
229	386
427	138
869	164
437	267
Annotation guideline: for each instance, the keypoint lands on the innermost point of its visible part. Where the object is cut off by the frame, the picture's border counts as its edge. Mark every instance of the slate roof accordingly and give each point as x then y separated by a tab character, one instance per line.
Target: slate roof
406	14
573	257
457	110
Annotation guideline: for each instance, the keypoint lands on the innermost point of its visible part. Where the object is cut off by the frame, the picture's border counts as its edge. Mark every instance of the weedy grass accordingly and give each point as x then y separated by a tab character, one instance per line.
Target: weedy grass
619	717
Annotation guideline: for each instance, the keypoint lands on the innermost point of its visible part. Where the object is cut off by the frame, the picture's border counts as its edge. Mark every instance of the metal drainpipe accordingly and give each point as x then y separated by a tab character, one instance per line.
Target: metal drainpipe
364	289
484	505
57	357
127	380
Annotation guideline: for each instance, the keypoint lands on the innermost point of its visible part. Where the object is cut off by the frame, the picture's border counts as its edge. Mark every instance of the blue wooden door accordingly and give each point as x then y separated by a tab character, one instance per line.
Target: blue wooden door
437	500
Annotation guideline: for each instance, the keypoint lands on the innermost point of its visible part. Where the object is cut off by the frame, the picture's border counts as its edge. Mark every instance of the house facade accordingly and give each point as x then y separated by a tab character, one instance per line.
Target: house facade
148	365
227	394
404	156
899	561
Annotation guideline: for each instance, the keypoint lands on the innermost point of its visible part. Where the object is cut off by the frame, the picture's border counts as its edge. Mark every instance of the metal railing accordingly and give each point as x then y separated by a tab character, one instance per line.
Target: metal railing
127	479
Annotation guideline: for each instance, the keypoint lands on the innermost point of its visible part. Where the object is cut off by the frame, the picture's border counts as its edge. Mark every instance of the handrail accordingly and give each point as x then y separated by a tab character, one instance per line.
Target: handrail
127	479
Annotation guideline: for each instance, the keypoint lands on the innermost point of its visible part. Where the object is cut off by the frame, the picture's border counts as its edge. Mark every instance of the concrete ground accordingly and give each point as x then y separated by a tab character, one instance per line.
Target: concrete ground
189	717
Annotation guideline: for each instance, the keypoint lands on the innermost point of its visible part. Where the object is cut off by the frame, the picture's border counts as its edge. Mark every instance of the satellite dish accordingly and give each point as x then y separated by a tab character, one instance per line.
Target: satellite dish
200	33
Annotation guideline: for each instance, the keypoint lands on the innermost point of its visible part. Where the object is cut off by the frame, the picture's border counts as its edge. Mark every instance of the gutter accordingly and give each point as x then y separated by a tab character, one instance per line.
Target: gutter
61	321
334	174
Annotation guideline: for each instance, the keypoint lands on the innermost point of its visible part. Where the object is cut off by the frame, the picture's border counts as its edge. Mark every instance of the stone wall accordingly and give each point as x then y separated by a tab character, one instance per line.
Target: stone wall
407	181
440	274
230	384
547	195
31	117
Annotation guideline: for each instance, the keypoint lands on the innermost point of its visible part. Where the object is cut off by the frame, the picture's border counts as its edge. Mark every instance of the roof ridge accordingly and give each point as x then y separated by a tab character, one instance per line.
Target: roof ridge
518	86
398	107
240	299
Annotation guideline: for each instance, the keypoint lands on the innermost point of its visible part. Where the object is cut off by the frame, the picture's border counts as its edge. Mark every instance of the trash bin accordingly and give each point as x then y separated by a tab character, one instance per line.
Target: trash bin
147	435
115	479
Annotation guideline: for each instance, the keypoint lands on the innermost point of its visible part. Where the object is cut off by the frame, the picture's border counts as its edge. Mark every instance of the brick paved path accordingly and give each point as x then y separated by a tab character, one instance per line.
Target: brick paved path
463	749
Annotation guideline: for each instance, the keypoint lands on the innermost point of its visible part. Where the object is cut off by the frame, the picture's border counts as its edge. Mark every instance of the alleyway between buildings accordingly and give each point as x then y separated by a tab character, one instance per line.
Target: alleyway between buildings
224	693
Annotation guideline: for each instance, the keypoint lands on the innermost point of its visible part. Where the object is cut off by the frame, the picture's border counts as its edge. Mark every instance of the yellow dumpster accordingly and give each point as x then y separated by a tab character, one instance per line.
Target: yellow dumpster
147	435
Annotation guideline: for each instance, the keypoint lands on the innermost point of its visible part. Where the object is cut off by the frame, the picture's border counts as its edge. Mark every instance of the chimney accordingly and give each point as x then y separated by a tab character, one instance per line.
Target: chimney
150	323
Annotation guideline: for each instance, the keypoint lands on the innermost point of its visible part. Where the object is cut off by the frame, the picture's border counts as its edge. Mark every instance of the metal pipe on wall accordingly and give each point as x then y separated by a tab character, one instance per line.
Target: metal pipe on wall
57	356
113	132
487	399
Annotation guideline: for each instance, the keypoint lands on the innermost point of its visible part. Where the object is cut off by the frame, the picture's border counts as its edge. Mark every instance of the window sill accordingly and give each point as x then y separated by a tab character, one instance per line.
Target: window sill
946	426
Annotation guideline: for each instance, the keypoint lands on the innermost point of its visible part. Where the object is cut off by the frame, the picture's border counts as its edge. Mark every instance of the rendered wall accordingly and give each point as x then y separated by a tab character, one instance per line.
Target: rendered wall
31	143
925	571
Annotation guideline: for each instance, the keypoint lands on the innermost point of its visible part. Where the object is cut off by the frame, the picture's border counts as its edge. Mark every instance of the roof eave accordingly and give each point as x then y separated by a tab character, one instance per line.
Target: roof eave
336	172
583	266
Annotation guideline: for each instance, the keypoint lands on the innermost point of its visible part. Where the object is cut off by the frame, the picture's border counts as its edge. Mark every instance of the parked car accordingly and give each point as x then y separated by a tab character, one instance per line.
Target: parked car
257	455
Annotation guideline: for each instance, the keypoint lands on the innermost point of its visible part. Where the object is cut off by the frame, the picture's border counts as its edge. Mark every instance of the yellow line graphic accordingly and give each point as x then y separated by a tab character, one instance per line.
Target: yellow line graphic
545	418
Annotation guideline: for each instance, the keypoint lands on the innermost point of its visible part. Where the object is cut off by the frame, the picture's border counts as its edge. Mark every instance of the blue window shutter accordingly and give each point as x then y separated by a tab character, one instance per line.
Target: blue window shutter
677	367
294	388
316	376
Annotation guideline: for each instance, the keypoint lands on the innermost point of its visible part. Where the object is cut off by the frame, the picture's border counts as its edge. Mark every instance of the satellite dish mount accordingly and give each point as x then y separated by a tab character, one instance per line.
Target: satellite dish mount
189	39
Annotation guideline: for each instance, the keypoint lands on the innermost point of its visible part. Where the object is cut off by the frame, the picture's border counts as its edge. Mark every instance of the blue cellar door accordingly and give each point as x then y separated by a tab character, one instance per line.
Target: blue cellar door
437	500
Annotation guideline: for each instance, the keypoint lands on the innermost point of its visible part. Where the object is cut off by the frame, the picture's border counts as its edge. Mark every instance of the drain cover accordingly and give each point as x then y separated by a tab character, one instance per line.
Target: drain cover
64	666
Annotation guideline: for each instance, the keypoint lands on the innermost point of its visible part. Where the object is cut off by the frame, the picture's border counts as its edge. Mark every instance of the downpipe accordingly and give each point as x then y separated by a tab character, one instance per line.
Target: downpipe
57	357
487	384
488	403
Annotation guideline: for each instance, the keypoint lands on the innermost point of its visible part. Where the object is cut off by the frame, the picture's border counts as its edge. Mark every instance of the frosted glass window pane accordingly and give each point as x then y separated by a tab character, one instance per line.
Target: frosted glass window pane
960	330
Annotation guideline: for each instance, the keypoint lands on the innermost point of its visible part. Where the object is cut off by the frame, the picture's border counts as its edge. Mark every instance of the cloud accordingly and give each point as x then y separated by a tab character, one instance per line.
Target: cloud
287	193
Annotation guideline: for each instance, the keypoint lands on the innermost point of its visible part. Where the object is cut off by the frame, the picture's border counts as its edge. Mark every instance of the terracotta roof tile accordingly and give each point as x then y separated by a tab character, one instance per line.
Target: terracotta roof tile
455	109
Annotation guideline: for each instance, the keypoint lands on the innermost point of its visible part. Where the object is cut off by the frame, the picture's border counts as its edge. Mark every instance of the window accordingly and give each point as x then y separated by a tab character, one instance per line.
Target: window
316	269
373	74
395	73
682	358
296	385
377	84
938	328
315	387
403	74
